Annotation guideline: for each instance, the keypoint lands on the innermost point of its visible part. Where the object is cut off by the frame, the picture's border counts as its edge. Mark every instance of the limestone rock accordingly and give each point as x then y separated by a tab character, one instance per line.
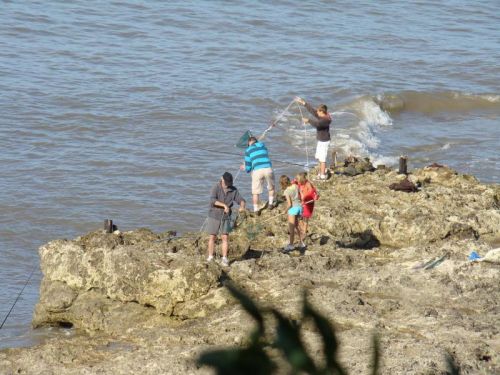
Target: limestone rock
492	256
87	279
376	259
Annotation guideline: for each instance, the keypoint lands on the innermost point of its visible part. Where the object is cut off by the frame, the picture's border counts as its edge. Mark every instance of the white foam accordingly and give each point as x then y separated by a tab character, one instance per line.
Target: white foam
374	115
488	97
491	98
363	137
367	136
364	118
446	146
385	160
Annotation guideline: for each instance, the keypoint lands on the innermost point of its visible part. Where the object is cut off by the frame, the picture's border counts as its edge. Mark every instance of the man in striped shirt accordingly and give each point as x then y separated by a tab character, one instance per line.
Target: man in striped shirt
258	163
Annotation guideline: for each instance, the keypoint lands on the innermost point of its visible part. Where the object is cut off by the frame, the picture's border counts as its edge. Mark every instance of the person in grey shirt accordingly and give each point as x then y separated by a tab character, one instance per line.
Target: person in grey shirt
321	121
222	198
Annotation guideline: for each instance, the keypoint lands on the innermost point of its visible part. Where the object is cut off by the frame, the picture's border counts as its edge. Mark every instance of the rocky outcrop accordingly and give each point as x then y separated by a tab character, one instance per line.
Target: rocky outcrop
448	205
377	260
362	211
100	281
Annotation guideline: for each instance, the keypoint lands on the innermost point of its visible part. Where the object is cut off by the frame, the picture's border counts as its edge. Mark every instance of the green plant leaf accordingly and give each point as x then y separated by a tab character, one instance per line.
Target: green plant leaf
248	361
453	369
249	305
330	343
289	342
375	361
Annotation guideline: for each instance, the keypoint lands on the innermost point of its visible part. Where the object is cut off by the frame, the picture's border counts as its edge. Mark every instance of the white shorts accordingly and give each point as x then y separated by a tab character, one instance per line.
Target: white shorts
322	151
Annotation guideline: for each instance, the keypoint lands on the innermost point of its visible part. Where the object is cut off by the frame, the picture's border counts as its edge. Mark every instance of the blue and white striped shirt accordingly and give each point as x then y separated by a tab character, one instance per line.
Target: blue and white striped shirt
256	157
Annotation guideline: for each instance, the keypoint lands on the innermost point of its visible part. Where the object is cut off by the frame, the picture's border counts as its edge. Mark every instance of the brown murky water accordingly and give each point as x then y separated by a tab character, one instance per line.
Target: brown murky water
106	107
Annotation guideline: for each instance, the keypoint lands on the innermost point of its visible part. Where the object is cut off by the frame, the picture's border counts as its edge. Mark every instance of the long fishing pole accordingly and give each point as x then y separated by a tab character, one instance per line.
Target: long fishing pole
283	213
18	296
278	118
305	135
235	154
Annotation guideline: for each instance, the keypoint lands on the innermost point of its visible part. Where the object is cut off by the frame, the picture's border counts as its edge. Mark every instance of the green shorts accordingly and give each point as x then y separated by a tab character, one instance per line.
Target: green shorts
215	226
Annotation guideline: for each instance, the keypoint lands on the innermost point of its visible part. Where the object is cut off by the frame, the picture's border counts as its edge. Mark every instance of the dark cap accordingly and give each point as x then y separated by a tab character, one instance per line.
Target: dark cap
228	178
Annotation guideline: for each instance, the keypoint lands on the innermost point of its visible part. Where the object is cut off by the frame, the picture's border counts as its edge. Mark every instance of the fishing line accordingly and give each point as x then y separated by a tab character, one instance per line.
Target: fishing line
280	116
283	213
306	168
235	154
344	113
18	296
237	174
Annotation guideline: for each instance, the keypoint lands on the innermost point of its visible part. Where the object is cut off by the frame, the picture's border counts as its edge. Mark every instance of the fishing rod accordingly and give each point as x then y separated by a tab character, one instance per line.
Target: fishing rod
199	234
18	296
278	118
235	154
283	213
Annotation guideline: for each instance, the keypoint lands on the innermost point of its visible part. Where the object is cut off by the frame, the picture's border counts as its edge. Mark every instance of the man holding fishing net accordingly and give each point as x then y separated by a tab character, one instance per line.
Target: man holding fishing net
222	198
321	122
258	163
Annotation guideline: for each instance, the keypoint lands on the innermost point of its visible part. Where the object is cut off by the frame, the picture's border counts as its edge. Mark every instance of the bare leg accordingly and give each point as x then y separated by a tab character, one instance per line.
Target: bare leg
322	168
304	224
297	228
255	201
211	244
271	196
225	238
291	228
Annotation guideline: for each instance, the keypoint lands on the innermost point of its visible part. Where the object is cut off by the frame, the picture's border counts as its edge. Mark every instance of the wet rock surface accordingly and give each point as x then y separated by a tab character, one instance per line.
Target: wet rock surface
377	260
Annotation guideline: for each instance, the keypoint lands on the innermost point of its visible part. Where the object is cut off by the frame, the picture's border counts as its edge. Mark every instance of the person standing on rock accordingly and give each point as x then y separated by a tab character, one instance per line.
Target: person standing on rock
258	163
294	210
321	122
308	194
222	198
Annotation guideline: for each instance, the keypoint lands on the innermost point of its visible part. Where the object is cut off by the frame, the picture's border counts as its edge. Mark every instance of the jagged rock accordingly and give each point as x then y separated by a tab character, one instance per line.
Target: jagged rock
79	278
354	166
447	207
152	305
492	256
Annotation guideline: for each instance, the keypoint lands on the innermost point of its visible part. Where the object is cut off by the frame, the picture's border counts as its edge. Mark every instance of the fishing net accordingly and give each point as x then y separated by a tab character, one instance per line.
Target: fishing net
253	230
227	225
243	141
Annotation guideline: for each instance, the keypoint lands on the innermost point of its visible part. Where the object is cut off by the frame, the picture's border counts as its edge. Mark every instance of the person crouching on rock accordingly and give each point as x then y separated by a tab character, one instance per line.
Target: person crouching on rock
308	194
258	163
222	198
294	210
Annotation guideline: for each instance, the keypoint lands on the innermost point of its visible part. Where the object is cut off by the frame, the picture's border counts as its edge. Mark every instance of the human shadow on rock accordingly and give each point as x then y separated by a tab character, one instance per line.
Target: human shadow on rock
365	240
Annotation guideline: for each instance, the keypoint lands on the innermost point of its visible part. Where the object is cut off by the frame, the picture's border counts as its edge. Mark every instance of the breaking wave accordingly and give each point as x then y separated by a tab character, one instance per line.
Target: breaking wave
437	102
358	121
358	135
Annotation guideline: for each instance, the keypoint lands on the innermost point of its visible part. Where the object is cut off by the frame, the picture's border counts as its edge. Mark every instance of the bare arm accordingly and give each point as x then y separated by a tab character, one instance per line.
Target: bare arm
288	202
241	202
242	205
309	107
222	205
214	202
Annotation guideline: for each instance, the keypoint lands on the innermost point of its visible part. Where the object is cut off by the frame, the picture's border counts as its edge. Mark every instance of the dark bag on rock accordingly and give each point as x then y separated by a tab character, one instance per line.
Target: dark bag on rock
405	185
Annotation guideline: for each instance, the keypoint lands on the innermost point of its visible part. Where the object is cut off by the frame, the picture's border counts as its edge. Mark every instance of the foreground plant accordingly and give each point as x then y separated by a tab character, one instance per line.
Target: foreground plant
253	359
